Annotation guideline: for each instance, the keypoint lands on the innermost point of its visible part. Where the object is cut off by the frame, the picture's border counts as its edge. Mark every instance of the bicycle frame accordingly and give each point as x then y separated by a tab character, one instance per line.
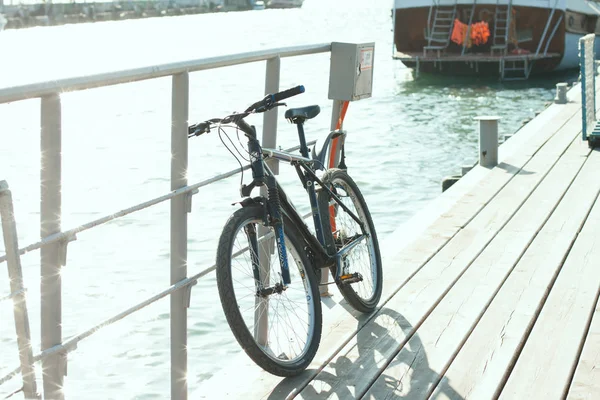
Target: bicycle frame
289	216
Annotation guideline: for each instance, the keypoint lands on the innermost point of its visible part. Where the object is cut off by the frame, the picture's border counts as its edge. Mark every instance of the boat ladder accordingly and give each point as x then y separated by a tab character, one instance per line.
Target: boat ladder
444	13
502	21
515	69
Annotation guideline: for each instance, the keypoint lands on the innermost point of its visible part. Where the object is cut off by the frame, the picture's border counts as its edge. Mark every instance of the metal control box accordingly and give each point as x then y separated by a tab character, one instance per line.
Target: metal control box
351	71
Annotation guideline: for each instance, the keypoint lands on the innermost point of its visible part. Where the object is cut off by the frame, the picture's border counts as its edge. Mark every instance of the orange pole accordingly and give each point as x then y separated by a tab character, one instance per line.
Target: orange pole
334	144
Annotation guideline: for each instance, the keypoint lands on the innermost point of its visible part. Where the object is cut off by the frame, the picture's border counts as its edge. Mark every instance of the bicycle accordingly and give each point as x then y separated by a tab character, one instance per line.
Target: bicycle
273	306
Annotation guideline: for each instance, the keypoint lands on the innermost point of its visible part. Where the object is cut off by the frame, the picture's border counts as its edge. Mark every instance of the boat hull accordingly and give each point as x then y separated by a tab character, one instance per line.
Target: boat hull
542	40
474	67
285	4
570	59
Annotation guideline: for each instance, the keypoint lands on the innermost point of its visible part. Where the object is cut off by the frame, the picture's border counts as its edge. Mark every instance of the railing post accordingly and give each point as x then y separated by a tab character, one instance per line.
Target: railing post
53	366
488	141
269	138
15	275
267	247
179	210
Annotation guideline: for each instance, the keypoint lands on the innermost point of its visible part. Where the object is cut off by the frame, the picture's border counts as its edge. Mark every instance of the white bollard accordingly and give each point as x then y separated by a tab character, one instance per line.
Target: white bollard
488	141
561	93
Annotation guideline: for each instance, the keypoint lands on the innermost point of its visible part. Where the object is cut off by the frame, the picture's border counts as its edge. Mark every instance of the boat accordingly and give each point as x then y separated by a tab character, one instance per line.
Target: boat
284	3
511	39
242	5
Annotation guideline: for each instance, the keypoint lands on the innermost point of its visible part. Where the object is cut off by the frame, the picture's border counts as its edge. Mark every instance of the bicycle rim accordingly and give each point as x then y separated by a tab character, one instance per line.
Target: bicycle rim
364	258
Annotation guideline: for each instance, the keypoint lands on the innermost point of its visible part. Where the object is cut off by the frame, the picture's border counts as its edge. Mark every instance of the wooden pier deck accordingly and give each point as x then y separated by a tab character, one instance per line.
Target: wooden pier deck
490	292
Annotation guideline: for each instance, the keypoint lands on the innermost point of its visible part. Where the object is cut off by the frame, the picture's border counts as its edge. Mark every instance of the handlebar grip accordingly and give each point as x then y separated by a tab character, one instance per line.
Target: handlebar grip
199	128
267	103
288	93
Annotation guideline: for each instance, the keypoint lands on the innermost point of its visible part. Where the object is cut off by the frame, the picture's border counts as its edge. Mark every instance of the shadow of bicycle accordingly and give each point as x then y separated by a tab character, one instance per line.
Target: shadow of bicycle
343	378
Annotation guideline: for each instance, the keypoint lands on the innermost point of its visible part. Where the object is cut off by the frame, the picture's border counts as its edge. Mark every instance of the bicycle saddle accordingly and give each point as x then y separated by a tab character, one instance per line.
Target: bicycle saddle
299	115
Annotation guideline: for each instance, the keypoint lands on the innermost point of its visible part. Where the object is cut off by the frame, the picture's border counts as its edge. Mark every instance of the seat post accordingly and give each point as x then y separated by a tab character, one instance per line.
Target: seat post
303	147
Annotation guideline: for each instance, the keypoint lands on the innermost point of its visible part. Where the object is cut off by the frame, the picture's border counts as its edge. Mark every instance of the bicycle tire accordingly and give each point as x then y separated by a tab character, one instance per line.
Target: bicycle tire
300	300
364	295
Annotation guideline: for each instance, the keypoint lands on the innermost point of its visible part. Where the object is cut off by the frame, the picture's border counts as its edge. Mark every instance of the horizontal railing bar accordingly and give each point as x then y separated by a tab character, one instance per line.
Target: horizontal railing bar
10	375
11	295
71	344
72	232
261	239
65	235
40	89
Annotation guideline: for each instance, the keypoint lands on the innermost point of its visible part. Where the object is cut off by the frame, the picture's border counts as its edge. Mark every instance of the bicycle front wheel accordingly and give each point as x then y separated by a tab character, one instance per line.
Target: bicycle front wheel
340	229
278	327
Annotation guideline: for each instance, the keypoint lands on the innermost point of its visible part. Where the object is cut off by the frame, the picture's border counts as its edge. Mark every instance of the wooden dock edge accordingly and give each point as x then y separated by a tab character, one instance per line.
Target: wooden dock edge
418	223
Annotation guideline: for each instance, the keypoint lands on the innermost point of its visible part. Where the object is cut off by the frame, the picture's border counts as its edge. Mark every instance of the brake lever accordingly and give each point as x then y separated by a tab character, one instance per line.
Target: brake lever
269	107
198	129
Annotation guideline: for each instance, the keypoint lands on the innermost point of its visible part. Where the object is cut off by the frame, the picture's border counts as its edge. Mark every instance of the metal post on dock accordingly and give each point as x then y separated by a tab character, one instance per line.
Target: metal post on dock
488	141
17	289
179	232
53	366
561	93
335	116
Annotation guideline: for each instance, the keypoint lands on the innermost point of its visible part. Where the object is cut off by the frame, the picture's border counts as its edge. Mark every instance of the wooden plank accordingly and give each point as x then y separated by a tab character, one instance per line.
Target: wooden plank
340	324
489	350
424	290
417	368
586	382
544	367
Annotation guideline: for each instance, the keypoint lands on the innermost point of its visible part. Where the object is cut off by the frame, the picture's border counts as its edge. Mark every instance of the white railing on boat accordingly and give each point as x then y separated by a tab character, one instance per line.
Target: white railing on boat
54	240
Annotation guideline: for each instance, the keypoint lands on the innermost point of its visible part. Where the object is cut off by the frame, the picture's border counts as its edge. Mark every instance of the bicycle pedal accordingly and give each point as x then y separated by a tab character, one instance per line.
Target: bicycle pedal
351	278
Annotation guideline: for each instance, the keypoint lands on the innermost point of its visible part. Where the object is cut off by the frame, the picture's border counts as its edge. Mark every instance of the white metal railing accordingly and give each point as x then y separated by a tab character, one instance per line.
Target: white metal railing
54	241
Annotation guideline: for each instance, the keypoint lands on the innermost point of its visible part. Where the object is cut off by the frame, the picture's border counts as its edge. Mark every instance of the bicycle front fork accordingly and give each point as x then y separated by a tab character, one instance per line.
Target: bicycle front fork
273	203
274	210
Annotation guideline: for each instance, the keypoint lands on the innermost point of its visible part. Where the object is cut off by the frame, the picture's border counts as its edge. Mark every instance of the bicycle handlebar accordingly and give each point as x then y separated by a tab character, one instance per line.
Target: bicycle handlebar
270	101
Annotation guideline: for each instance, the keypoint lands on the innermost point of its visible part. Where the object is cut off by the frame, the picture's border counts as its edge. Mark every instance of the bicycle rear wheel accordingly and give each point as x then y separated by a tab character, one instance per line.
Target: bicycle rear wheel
340	229
278	327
